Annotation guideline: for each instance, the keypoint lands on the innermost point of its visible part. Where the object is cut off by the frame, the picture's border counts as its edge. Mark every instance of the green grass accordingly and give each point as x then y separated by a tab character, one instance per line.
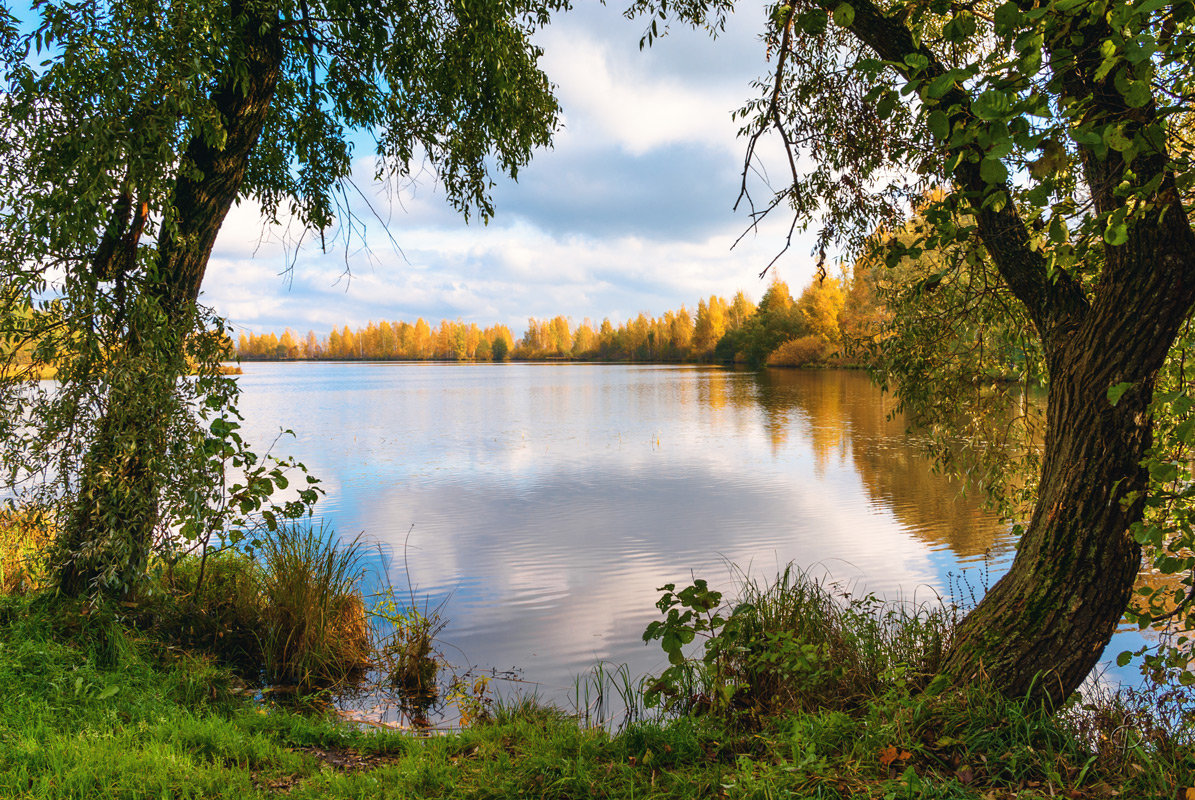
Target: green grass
89	709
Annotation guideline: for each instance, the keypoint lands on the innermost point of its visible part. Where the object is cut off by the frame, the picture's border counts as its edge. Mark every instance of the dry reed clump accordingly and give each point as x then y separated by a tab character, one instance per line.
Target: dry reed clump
315	633
25	537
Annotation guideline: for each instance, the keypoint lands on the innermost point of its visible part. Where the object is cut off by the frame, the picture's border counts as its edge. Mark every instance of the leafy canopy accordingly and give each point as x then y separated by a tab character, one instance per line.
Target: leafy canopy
102	105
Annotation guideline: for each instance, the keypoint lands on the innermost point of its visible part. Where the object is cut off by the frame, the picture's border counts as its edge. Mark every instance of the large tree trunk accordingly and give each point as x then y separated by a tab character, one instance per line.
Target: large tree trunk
107	540
1042	627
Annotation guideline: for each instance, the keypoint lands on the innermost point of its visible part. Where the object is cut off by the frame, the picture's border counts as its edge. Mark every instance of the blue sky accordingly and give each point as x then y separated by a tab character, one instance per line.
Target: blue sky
630	211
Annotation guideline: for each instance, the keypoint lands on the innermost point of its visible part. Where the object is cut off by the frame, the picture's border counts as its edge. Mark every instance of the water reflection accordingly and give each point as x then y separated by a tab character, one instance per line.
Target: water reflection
545	504
846	417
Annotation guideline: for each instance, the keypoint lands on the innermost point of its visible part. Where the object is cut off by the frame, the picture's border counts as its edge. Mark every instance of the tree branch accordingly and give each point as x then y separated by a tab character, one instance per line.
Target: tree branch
1055	302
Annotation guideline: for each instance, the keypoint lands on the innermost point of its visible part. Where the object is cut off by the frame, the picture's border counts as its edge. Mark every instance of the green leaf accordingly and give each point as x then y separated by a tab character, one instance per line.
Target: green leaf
993	171
1163	473
1124	658
813	21
939	124
885	106
1007	18
940	85
1116	392
991	105
917	61
1117	233
844	15
1137	94
109	692
1058	232
1114	137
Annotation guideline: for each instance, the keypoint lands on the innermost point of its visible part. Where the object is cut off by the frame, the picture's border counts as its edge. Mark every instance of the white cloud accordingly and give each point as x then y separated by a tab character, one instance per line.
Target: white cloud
611	98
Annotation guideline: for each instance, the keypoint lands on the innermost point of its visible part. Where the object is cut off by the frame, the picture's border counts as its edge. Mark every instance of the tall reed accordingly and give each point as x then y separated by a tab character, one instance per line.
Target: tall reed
316	631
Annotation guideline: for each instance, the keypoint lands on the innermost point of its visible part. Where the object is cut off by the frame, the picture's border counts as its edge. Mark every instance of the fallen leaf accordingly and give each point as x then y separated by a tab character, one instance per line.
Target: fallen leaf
890	754
1190	793
965	774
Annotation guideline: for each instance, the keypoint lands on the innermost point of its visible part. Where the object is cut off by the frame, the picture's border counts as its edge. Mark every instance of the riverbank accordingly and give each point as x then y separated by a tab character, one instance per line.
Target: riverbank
89	708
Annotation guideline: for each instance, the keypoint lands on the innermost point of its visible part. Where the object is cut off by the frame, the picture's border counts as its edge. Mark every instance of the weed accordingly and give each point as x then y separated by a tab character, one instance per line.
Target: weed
608	695
406	652
792	645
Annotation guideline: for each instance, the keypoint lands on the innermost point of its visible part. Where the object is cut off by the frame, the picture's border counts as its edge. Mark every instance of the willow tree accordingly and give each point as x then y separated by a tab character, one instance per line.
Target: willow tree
1058	134
129	130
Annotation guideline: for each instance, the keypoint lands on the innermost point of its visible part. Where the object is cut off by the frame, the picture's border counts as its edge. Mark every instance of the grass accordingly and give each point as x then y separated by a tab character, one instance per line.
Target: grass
91	705
290	616
90	710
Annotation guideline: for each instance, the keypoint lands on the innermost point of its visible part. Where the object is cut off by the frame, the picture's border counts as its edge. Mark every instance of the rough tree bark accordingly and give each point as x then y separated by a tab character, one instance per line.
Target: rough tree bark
1043	626
107	540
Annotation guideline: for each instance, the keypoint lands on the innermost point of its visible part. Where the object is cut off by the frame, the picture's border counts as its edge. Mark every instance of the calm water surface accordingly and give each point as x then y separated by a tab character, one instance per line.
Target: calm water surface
545	504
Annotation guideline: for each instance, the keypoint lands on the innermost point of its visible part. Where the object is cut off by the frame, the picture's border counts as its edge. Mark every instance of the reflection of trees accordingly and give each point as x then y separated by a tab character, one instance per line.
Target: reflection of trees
845	416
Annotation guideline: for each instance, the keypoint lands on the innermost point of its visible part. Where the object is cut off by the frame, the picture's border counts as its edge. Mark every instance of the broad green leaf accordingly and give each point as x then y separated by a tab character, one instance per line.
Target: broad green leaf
1116	392
992	104
1137	94
940	85
1116	234
1007	18
993	171
844	15
939	124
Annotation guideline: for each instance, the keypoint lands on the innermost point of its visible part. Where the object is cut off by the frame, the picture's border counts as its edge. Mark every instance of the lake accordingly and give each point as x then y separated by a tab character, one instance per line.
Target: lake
545	504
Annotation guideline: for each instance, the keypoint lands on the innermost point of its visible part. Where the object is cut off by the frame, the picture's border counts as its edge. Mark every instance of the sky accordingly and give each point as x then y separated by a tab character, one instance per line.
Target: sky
630	211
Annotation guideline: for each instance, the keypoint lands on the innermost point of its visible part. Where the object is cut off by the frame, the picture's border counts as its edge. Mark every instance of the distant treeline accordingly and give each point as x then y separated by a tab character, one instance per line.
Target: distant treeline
816	328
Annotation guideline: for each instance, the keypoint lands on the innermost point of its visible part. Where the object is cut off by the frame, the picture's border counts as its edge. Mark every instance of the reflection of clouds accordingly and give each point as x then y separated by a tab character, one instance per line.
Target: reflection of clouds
567	568
551	501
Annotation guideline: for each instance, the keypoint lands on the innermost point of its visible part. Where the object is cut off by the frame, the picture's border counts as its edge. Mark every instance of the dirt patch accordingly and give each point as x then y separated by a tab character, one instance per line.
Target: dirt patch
346	759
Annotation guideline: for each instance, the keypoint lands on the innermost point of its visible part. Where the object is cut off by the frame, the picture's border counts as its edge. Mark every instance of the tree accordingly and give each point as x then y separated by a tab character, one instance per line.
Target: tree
820	306
1057	132
710	324
774	322
501	347
123	152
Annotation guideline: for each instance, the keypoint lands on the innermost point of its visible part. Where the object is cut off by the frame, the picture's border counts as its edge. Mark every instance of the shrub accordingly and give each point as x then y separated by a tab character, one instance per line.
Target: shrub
222	614
794	645
25	537
801	352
